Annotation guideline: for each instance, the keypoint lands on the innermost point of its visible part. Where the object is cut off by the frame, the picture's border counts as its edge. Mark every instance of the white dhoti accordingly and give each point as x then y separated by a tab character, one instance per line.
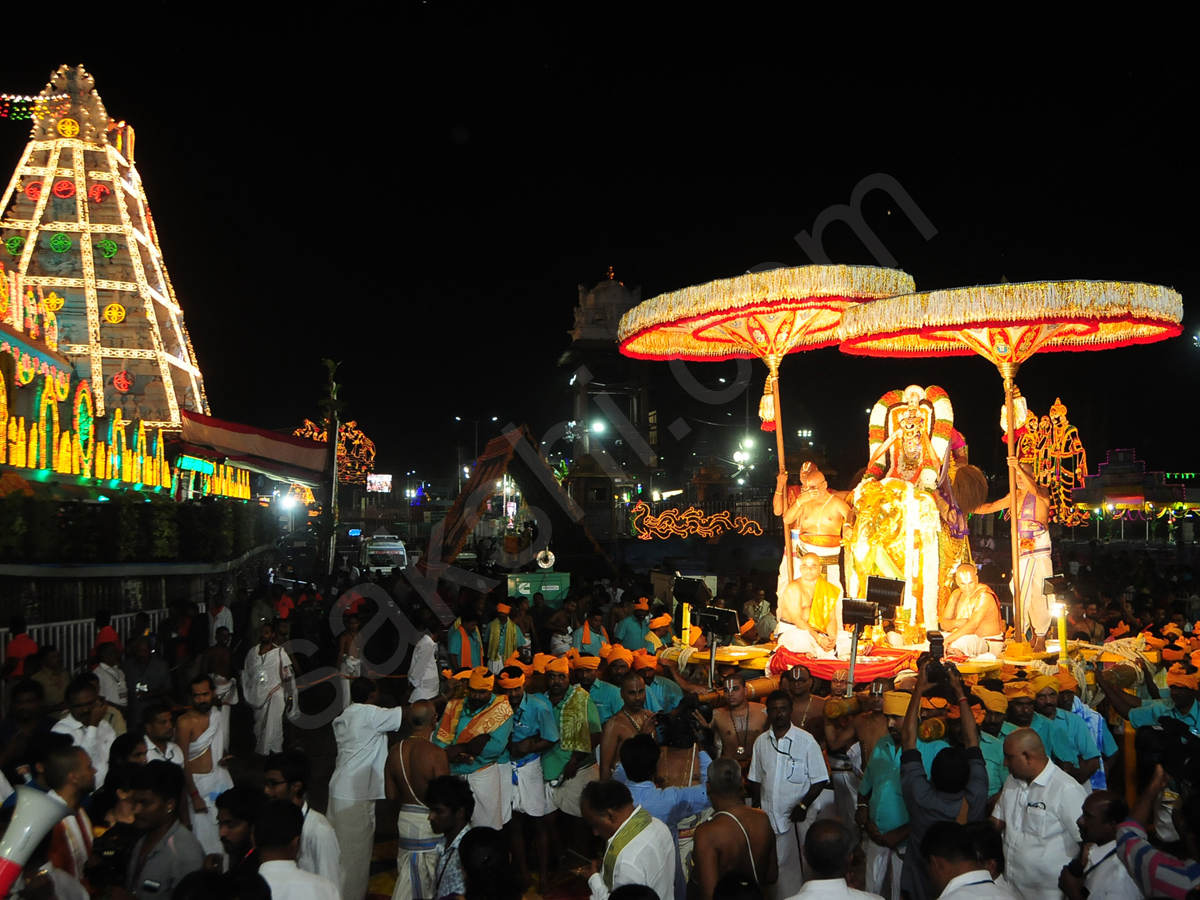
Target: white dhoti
529	790
266	685
883	870
791	877
1036	567
226	692
560	643
416	854
565	797
492	787
973	644
353	822
210	784
800	640
268	726
352	667
845	787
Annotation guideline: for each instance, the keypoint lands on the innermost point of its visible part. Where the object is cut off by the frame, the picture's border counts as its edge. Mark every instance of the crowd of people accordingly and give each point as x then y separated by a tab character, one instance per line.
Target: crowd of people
526	745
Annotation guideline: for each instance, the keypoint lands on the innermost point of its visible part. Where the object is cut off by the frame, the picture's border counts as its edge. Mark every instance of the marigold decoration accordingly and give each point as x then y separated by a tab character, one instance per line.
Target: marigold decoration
356	451
686	523
763	315
1007	324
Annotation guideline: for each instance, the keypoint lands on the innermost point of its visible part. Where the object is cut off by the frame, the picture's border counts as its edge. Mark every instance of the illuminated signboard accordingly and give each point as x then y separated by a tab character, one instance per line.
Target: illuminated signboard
380	484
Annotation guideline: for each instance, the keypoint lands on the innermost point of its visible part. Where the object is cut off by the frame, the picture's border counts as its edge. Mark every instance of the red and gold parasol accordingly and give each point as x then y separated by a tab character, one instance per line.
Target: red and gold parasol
761	314
1007	324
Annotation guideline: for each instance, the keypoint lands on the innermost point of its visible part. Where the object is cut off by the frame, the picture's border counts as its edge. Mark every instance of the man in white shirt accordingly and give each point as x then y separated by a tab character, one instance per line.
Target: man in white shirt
160	735
1037	811
285	777
639	848
80	723
113	686
1099	875
954	867
828	853
361	733
423	668
787	774
277	838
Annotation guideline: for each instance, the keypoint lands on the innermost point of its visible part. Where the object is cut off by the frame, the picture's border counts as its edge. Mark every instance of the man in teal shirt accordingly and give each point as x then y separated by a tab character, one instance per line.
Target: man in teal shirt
475	732
1068	730
591	637
463	642
631	631
1182	681
881	810
606	697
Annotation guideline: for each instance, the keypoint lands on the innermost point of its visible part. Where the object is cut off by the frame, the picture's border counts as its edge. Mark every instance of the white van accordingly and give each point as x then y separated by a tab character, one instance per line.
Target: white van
382	553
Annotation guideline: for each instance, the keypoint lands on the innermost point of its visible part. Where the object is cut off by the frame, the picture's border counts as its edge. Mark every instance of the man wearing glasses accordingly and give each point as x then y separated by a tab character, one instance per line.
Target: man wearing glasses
787	774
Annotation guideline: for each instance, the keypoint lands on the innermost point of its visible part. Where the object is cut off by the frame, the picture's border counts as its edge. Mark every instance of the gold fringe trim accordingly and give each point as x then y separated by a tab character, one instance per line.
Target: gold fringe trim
664	324
873	326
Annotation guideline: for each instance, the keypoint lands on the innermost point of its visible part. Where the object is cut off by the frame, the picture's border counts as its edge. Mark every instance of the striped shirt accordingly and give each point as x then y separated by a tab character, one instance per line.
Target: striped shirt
1156	873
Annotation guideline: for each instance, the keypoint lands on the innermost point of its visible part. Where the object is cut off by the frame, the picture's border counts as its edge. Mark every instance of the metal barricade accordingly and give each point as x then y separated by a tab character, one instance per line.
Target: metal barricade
74	639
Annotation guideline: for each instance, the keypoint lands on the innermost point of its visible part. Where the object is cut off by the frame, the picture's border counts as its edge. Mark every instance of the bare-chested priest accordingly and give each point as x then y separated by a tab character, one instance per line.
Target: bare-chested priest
203	739
808	614
631	719
972	614
814	520
739	722
411	765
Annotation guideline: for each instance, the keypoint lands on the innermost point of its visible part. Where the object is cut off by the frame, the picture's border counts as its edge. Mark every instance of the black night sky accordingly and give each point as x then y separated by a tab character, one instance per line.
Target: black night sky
418	192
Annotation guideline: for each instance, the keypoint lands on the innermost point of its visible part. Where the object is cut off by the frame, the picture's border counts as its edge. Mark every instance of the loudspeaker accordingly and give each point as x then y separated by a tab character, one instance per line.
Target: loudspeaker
36	814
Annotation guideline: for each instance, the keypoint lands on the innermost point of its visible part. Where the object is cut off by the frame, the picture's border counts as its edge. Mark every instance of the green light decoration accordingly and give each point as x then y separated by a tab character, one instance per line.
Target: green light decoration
108	248
60	243
14	244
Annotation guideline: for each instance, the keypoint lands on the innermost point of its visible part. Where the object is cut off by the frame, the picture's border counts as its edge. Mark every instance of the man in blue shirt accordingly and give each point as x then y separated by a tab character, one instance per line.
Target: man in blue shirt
1183	682
534	731
662	694
1071	730
631	631
605	696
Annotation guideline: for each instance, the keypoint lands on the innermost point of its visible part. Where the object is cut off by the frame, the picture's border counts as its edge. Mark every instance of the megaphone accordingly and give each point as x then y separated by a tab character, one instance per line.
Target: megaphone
35	815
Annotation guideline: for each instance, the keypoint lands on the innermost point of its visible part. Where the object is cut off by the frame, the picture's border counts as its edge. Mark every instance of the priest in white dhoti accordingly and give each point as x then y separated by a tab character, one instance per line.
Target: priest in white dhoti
361	733
267	686
203	738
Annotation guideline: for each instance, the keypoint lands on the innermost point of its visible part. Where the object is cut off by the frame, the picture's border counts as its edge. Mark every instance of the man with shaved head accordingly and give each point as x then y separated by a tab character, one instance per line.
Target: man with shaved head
1037	811
411	765
633	718
738	839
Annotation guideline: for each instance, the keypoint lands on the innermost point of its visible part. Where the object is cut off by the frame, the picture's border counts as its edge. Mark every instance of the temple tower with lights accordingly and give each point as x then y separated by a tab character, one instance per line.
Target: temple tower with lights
77	240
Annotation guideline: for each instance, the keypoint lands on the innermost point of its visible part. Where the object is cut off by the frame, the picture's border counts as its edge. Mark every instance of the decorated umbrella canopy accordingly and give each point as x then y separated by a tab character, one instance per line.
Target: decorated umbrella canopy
1007	324
761	314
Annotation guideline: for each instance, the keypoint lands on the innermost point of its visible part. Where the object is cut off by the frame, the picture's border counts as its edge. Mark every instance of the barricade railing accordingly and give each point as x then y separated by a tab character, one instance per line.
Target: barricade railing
74	639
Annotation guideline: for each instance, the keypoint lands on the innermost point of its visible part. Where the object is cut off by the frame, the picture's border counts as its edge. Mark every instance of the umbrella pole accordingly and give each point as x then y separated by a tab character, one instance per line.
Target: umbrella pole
787	536
1009	371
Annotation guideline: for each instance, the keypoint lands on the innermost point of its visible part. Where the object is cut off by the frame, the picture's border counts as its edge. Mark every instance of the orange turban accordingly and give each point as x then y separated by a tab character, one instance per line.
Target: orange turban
515	662
620	654
976	711
1067	681
992	700
1155	643
605	650
481	679
585	662
746	626
1172	628
503	608
1178	676
643	659
544	662
1173	653
935	703
1119	629
506	682
460	676
1017	689
642	604
661	622
1041	682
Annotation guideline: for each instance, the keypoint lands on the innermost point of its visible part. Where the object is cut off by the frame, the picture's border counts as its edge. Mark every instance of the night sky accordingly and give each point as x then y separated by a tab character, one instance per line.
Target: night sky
418	193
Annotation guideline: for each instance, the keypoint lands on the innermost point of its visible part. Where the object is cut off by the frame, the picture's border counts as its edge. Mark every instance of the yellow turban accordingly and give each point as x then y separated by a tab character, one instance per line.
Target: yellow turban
481	679
661	622
585	662
992	700
1016	689
1041	682
1172	628
544	662
506	682
1178	676
895	703
620	654
540	660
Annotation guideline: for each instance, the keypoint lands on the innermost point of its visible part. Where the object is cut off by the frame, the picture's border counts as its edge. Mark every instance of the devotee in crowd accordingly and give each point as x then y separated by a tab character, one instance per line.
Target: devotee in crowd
760	613
956	780
54	678
1156	872
881	812
1038	812
1183	683
828	854
1098	874
423	667
24	720
358	781
160	734
412	765
475	732
451	804
739	723
808	709
267	684
167	851
632	719
632	631
955	870
503	638
71	777
277	830
148	678
570	765
1067	730
285	777
606	692
560	628
787	775
237	811
464	643
84	725
662	694
487	866
1068	700
849	741
589	639
738	840
639	849
114	688
201	734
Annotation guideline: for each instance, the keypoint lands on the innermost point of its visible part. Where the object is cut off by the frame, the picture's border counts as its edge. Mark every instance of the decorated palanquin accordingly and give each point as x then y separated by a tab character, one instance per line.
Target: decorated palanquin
907	523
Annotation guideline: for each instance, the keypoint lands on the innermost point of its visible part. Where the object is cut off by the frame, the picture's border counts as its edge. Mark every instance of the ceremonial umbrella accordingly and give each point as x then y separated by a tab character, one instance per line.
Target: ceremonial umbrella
1007	324
760	314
